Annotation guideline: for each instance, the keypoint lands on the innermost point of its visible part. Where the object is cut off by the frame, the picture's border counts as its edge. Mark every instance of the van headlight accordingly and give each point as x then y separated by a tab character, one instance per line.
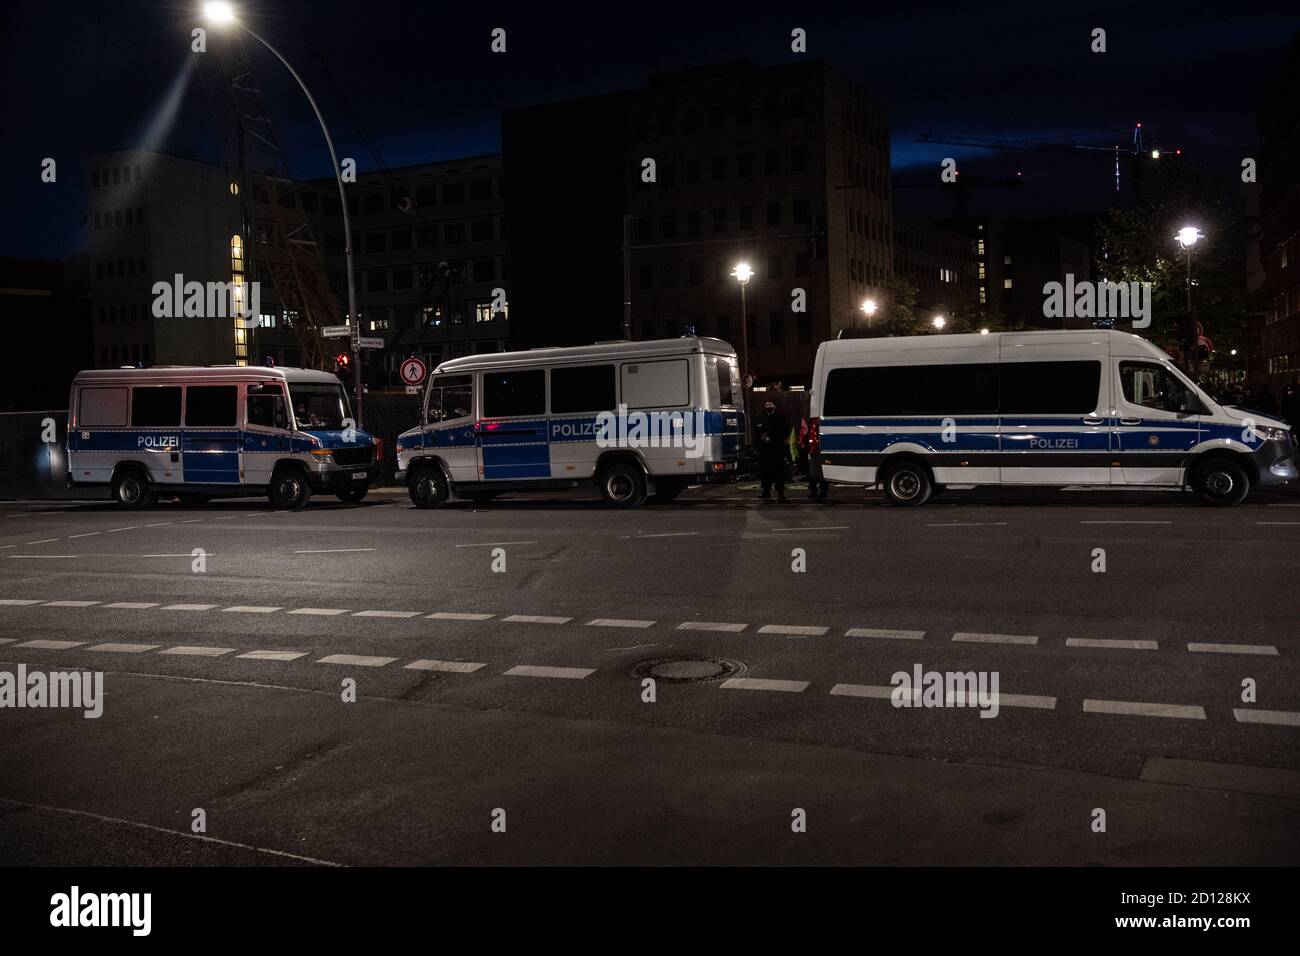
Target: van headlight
1272	434
323	455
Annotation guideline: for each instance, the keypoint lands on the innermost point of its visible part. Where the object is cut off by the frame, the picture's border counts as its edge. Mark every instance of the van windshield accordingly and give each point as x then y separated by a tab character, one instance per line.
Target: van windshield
319	406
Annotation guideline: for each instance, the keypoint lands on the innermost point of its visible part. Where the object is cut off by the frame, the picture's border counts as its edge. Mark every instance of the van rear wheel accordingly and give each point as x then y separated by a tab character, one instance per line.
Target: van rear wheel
427	486
1221	481
289	489
908	484
132	491
622	486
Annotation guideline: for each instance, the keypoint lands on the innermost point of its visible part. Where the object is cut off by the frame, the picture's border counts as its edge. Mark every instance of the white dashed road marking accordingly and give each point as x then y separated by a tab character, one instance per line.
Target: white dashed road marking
885	632
19	602
568	673
42	541
1116	644
43	557
51	645
250	609
357	660
189	607
1266	649
113	648
274	655
71	603
84	534
494	544
387	613
139	605
971	637
190	650
619	622
960	698
320	611
459	616
793	630
863	690
450	667
1288	718
711	626
336	551
761	683
1132	708
1125	522
536	619
966	524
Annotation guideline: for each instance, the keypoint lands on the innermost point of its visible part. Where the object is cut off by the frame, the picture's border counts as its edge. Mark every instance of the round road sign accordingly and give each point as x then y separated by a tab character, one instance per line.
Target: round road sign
413	371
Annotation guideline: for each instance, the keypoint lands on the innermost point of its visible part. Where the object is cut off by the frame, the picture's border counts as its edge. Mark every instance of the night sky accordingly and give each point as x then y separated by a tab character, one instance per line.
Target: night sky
419	80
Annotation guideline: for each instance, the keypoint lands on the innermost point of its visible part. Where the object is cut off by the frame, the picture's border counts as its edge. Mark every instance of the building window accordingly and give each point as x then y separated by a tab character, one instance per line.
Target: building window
717	116
377	280
480	189
1006	283
690	121
693	222
774	267
692	171
800	212
719	220
646	275
746	217
798	159
453	193
401	277
426	235
771	162
401	239
96	220
376	241
375	202
744	166
453	233
481	230
695	273
796	105
718	168
773	217
485	270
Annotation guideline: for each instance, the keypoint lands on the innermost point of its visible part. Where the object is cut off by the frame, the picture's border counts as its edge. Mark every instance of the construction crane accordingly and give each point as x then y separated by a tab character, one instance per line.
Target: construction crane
1135	149
279	241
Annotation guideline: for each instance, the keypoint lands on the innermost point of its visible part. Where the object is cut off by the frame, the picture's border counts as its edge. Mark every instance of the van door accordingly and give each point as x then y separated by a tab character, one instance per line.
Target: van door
1053	419
449	424
1156	424
210	441
266	431
511	434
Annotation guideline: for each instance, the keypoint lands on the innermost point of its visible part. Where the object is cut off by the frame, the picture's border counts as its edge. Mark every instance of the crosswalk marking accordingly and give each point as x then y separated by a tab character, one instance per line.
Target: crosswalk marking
793	630
1133	708
973	637
885	633
1265	649
763	683
450	667
566	673
357	660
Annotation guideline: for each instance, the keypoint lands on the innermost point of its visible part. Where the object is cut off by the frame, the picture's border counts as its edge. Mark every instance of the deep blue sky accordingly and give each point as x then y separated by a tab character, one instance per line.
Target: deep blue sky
82	76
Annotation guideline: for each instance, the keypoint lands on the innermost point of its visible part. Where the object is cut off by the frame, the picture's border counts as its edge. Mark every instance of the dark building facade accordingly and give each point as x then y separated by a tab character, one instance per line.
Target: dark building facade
47	316
1279	222
939	263
784	169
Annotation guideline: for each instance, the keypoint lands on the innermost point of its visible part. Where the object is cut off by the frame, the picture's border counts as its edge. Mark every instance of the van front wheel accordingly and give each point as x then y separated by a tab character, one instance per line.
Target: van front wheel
289	489
1221	481
427	487
907	484
622	486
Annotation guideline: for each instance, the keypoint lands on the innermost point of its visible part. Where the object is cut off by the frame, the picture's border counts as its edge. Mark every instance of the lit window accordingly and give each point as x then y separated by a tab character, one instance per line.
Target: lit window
980	247
1006	283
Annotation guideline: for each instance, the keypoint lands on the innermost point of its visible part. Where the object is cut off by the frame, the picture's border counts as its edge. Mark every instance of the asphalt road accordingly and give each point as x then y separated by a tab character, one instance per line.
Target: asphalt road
499	653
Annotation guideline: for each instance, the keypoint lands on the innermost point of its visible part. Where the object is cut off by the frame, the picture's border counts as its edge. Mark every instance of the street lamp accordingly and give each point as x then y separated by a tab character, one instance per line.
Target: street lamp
869	309
221	13
742	274
939	322
1187	237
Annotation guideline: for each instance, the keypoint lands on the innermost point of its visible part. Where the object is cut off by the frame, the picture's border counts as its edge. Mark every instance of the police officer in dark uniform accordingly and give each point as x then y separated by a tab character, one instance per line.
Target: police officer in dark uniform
771	436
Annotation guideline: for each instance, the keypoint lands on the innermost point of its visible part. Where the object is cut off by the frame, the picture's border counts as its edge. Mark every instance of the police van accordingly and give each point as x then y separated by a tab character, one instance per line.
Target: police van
636	419
1091	407
218	432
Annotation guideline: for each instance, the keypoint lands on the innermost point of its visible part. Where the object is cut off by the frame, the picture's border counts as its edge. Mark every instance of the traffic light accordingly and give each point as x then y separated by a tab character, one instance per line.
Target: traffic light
342	362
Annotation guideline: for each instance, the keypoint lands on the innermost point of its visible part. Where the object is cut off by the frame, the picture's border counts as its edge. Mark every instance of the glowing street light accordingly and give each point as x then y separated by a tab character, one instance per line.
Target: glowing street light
869	308
222	13
742	274
939	322
984	331
1187	236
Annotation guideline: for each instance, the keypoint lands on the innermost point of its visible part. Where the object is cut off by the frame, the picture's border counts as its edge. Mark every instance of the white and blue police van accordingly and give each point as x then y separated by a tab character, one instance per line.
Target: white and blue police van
1097	408
201	433
637	420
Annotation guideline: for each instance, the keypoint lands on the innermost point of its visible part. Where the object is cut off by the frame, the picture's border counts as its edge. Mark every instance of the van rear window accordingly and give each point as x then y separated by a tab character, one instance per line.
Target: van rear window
1050	388
912	390
157	406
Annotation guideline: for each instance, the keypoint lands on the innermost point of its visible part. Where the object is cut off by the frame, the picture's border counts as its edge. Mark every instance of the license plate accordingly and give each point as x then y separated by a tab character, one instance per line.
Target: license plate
359	476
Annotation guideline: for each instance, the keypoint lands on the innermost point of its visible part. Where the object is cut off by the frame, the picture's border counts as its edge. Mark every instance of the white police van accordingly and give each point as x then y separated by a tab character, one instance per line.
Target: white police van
1089	407
205	433
637	419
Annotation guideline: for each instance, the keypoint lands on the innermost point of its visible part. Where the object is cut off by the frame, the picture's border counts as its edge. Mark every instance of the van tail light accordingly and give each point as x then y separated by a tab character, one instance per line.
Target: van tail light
379	448
814	435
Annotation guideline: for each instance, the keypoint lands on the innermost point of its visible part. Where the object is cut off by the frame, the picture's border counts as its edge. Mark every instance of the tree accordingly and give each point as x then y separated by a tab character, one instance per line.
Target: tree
900	319
1138	245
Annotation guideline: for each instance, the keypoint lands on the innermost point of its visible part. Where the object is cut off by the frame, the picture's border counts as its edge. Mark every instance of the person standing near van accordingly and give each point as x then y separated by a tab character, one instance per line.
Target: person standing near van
771	432
817	489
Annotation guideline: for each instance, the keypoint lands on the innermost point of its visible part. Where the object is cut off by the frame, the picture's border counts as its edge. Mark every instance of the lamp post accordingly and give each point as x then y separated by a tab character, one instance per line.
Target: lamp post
938	322
222	14
1187	237
742	274
869	309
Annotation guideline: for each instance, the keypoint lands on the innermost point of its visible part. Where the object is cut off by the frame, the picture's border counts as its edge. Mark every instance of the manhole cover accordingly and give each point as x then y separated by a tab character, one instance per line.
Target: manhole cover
687	670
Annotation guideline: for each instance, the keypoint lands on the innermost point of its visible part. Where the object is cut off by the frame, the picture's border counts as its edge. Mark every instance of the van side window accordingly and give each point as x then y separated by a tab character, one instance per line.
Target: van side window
156	406
1046	388
656	384
1151	386
725	394
211	406
516	392
584	388
102	407
969	389
450	397
266	406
